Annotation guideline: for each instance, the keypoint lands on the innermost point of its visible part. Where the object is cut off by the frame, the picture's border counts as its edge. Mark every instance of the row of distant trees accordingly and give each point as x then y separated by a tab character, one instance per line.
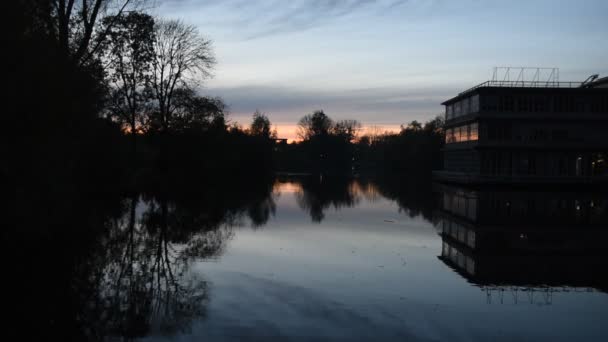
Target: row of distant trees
341	147
414	150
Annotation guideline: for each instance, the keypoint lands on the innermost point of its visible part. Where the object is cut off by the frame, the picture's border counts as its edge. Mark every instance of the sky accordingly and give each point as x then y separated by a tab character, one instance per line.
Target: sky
383	63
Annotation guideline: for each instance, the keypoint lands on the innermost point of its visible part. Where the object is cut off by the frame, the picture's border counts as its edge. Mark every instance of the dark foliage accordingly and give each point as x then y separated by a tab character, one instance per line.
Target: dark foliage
334	148
416	150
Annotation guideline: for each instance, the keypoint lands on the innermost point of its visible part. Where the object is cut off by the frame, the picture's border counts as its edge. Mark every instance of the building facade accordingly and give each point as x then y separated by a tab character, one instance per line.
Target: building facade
527	132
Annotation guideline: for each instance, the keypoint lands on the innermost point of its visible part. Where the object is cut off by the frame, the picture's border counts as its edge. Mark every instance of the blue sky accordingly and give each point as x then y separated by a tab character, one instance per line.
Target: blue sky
383	63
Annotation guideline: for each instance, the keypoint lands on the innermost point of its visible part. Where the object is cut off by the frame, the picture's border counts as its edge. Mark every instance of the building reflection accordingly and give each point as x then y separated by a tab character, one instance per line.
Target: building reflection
525	245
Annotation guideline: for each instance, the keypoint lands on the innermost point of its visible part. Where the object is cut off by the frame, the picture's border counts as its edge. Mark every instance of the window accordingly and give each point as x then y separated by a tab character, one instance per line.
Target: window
465	106
471	239
449	136
456	134
457	109
509	103
490	103
462	132
472	208
468	132
474	104
474	131
522	104
540	104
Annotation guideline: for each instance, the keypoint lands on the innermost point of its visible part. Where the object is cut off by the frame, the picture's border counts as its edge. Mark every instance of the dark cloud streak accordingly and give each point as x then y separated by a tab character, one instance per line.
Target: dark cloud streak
388	105
274	17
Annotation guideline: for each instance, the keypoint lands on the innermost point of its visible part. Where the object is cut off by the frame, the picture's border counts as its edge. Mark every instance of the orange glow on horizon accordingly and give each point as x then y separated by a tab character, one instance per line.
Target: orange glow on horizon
289	131
287	187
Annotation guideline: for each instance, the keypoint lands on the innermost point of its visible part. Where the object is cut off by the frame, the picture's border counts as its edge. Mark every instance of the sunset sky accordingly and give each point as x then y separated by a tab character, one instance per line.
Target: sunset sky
383	63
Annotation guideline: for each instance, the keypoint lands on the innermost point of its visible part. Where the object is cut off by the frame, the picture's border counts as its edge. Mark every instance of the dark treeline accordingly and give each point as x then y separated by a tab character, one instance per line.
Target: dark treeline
339	148
414	151
103	96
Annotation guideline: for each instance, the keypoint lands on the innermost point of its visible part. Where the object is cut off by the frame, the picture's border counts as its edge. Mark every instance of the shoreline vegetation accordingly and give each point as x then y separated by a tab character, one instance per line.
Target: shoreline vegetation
105	99
104	113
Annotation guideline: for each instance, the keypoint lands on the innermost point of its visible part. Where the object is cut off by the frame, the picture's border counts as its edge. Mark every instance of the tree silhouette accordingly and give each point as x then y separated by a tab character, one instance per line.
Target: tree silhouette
317	124
191	112
73	24
128	54
347	129
260	126
416	149
182	58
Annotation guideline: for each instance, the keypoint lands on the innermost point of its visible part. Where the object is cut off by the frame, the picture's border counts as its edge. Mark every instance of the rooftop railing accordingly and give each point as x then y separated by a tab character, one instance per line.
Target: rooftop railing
525	84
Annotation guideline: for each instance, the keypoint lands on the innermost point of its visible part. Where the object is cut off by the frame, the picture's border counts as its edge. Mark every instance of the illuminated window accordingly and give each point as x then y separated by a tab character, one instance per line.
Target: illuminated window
474	131
459	134
468	132
449	136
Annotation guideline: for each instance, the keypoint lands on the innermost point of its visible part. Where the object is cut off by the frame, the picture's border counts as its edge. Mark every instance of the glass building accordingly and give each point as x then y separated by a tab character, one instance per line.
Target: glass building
509	131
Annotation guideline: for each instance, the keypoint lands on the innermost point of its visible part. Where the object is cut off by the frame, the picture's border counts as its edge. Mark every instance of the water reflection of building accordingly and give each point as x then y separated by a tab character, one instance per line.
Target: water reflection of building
525	241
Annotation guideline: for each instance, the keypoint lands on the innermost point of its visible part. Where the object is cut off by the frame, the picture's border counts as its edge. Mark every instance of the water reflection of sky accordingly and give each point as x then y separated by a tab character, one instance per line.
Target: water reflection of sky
369	272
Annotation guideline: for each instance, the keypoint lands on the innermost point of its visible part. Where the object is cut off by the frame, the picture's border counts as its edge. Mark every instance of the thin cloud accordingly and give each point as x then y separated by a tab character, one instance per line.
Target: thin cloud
374	105
273	17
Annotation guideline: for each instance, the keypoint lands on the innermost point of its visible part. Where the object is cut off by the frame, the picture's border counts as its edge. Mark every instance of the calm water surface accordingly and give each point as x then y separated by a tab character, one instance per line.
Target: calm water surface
317	263
312	259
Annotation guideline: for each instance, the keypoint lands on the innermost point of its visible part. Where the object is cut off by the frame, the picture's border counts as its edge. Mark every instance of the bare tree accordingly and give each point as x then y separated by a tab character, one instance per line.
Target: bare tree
374	133
74	24
128	53
182	59
347	129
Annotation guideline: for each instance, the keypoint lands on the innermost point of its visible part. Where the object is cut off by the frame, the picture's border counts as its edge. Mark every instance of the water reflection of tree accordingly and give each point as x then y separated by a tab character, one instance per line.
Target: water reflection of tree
121	269
319	193
413	195
146	285
260	211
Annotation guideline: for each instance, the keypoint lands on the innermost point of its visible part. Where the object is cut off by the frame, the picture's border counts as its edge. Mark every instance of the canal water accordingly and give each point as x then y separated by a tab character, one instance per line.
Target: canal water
315	259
